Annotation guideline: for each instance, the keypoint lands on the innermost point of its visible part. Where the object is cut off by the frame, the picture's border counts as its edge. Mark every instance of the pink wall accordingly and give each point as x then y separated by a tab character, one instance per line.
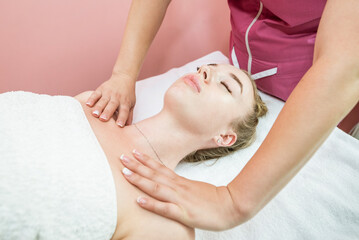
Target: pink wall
70	46
66	47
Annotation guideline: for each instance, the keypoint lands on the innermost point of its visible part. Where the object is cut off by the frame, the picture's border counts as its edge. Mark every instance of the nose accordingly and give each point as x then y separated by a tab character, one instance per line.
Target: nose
204	73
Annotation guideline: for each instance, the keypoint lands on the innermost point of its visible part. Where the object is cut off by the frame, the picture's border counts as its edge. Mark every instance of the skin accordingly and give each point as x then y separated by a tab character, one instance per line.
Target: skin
182	103
118	93
323	97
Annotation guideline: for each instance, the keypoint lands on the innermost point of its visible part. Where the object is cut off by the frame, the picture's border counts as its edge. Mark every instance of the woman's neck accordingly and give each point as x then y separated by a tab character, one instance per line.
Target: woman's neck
166	136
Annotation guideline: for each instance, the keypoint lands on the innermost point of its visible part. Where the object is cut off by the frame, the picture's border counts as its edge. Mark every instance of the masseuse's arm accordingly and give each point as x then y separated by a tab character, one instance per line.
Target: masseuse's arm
323	97
118	93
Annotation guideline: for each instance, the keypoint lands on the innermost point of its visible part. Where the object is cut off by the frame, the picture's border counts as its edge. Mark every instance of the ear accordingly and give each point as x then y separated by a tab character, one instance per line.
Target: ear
227	139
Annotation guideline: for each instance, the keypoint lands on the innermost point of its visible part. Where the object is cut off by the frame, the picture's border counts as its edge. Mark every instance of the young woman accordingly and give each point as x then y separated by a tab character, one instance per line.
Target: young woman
205	115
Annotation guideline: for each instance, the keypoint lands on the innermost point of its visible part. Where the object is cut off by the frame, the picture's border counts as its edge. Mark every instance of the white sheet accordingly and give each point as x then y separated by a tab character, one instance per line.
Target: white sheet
55	180
320	202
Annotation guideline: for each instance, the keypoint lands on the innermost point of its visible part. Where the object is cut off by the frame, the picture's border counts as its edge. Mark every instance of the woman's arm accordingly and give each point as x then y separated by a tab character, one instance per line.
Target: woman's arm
324	96
144	20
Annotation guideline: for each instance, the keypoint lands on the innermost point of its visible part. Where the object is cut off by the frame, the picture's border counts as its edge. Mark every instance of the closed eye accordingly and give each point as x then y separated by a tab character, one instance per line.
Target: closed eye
225	85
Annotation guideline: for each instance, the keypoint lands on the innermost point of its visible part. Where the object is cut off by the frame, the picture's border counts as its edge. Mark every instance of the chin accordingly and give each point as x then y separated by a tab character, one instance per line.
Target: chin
179	96
176	100
179	103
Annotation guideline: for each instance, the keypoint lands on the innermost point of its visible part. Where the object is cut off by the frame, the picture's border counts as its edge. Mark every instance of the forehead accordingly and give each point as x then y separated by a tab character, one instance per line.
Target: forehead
232	69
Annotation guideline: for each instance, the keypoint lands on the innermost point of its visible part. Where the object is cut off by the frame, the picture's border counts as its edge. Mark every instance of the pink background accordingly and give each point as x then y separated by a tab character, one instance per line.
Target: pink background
67	47
70	46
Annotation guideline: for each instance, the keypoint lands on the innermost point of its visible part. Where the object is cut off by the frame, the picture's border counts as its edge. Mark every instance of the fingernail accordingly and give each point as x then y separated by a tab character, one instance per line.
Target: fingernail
103	117
119	124
96	112
124	158
137	153
127	171
88	104
141	200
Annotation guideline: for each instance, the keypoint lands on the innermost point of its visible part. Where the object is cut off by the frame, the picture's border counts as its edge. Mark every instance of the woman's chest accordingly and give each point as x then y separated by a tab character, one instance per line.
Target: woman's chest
131	219
129	214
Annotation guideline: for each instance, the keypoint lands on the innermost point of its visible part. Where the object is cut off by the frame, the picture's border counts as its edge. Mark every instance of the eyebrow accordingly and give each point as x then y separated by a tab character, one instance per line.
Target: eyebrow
231	74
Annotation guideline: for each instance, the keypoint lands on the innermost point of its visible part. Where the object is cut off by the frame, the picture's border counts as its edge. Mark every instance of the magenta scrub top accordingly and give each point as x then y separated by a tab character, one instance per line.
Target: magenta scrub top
274	41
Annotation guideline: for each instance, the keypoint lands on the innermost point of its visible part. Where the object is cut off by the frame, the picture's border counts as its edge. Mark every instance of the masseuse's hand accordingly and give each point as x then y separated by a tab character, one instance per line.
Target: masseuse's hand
193	203
117	93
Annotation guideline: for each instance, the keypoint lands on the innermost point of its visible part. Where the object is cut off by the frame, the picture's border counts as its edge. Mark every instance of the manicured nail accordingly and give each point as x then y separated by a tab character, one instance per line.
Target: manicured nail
119	124
88	104
96	112
127	171
124	158
103	117
137	153
141	200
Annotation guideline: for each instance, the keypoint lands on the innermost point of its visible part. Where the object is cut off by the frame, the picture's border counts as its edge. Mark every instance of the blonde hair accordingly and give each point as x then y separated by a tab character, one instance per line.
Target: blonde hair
245	130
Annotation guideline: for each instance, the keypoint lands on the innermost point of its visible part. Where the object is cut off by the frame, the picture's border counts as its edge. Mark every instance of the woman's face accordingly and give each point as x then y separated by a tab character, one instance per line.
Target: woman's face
210	99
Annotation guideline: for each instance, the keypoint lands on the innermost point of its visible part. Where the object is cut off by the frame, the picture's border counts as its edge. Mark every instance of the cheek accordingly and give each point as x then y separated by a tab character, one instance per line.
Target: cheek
229	109
218	110
240	112
206	112
219	103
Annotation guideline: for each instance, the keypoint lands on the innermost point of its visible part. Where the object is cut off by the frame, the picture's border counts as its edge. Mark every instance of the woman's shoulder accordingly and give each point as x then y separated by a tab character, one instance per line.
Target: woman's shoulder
82	97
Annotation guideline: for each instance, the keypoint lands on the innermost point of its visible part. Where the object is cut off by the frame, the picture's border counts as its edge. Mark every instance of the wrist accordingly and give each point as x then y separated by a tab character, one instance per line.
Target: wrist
123	76
126	66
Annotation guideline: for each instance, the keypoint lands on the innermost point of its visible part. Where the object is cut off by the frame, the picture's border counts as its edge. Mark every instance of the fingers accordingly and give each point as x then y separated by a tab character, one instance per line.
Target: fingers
105	108
145	172
117	93
165	209
123	114
153	188
159	183
154	164
93	98
100	105
109	110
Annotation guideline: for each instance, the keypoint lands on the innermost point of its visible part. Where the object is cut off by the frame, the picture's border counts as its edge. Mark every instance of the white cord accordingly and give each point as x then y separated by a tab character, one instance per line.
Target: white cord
355	131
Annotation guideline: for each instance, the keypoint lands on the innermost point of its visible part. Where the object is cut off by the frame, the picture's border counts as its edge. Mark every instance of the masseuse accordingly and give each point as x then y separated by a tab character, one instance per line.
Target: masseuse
303	52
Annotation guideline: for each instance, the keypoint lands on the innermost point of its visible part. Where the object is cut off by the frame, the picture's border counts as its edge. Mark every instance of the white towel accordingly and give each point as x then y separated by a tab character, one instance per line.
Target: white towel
320	202
55	181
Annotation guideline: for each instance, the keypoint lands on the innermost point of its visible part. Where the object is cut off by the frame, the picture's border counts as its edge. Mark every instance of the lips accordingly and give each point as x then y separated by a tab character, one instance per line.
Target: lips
193	81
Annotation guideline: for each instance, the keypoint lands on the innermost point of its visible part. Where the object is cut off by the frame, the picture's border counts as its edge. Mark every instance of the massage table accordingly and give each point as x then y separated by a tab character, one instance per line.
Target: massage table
320	202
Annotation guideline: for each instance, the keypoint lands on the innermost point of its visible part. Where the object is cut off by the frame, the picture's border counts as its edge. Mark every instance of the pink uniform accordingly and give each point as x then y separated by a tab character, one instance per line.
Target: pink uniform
274	41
